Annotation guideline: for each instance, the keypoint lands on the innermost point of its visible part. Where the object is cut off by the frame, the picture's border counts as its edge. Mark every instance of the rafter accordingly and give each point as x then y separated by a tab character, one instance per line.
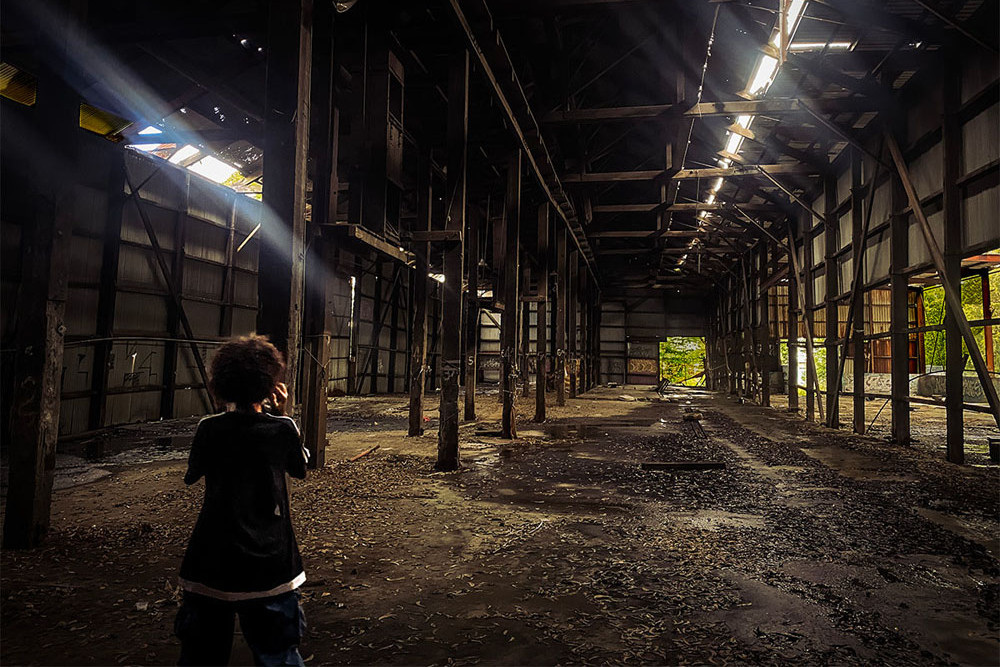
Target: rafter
772	107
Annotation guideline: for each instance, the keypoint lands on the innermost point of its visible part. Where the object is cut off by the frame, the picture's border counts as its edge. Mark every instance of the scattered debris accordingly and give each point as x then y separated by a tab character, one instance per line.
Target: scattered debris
364	453
627	397
532	557
683	465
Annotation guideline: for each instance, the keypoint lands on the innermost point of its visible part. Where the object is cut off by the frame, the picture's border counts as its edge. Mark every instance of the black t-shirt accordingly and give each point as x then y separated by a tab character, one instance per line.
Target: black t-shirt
243	546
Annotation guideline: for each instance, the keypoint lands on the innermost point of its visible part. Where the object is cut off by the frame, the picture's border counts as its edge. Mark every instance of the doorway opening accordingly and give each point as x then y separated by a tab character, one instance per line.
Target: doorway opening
682	361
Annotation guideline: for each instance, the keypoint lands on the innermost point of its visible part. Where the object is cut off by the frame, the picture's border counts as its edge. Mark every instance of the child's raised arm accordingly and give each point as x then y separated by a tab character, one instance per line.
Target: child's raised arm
298	455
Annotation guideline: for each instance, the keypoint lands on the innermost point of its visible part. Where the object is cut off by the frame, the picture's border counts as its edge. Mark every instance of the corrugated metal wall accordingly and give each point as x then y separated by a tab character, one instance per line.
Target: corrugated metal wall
199	226
979	188
632	329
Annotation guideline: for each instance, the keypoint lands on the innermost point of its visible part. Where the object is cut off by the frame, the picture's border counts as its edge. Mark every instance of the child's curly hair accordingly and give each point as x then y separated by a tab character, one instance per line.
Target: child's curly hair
245	370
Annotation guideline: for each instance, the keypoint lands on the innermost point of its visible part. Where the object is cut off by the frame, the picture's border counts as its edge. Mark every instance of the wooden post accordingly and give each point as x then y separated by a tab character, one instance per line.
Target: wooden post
451	302
949	273
525	327
228	291
809	285
286	132
899	341
573	293
984	278
508	328
378	311
560	297
41	305
318	324
354	343
597	339
951	141
318	328
474	221
393	306
766	356
584	354
174	305
855	303
418	277
857	333
831	226
541	342
804	300
108	293
793	344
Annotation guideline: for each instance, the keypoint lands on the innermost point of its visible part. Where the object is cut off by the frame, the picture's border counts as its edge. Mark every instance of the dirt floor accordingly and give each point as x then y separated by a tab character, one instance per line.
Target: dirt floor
809	547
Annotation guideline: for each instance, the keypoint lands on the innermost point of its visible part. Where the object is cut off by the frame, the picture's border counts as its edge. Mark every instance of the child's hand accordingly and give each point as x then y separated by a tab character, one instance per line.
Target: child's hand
279	397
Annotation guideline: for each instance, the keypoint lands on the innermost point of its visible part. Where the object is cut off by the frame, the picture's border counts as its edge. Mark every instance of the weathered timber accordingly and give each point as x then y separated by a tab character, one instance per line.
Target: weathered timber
286	131
451	302
418	290
508	329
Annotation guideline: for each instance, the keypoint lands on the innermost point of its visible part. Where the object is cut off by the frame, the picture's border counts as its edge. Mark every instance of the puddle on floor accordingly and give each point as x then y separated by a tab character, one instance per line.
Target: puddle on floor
854	465
128	449
583	431
715	520
980	531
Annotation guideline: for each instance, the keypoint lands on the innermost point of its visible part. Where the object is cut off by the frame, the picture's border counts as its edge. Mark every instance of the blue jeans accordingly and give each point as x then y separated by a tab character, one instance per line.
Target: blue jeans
272	627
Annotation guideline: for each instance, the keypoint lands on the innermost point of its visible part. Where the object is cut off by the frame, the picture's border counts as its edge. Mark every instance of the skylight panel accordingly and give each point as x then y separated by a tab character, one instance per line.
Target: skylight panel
183	154
819	46
213	169
733	145
763	75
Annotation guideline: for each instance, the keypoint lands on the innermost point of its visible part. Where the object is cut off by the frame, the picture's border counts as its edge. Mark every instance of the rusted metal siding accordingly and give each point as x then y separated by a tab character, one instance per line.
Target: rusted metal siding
179	205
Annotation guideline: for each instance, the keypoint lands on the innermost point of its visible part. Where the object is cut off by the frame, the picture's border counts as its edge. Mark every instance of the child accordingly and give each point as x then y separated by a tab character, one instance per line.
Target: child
242	557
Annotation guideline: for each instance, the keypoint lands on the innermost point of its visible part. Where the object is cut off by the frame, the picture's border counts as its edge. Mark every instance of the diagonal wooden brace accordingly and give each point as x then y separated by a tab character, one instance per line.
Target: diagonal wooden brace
953	300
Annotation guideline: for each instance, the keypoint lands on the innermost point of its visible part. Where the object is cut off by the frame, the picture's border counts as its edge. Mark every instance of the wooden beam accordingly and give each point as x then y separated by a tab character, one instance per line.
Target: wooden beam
418	283
855	330
899	343
508	329
984	279
541	339
483	37
743	170
474	222
451	289
39	334
560	297
318	327
951	275
435	236
625	234
286	132
831	227
613	176
816	66
108	292
805	299
525	314
683	206
572	309
770	107
357	237
737	171
935	9
791	195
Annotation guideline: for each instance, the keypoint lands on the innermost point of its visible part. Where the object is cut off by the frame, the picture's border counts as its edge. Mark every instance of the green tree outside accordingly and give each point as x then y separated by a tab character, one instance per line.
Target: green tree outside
682	358
972	304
